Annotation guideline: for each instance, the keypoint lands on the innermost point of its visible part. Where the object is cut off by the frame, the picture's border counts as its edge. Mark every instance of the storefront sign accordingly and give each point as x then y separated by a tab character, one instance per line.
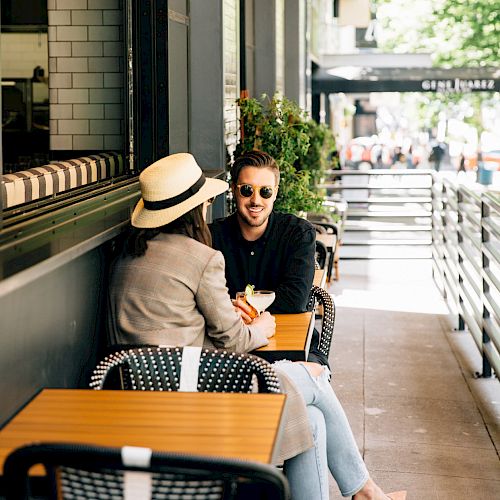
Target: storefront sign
458	85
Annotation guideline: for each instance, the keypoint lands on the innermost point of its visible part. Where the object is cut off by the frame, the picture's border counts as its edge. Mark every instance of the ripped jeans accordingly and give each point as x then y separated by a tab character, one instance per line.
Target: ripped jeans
334	444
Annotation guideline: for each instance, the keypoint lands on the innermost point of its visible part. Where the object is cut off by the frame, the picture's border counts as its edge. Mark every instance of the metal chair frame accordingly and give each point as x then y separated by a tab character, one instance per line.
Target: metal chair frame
322	297
92	472
330	228
156	368
321	255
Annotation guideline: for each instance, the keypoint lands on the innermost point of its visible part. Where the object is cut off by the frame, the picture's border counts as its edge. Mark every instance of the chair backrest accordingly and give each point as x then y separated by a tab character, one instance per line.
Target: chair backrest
156	368
321	296
90	472
321	255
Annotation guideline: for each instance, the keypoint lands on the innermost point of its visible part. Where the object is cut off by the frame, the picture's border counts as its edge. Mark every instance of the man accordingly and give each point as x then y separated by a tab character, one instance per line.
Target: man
436	156
264	248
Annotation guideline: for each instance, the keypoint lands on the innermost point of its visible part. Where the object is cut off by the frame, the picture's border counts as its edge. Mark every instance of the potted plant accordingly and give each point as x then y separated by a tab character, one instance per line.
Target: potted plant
281	128
320	155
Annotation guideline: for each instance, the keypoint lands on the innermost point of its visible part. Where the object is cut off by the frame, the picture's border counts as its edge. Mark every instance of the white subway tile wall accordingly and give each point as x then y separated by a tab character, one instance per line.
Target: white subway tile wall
60	49
85	39
95	111
88	80
60	81
95	142
73	127
62	111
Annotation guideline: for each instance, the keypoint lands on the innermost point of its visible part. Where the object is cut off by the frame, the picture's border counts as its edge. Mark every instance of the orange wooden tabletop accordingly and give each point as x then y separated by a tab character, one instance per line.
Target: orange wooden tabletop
319	277
221	424
292	335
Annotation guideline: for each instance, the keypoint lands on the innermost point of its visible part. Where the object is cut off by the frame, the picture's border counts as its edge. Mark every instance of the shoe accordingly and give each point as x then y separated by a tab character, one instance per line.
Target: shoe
397	495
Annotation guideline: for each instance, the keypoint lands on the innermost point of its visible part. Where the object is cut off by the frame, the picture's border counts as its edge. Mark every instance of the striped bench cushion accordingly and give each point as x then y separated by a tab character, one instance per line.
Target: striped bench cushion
36	183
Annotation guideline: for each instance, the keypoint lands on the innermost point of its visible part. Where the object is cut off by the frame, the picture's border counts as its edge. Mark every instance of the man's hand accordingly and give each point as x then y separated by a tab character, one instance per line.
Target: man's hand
246	311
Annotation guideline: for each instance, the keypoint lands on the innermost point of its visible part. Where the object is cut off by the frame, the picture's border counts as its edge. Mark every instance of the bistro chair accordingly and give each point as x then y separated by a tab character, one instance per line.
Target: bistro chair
320	296
195	369
337	217
321	255
77	471
327	233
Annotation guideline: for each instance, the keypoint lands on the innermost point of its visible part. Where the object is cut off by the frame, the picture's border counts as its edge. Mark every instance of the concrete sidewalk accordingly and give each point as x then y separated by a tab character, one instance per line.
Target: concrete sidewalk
406	380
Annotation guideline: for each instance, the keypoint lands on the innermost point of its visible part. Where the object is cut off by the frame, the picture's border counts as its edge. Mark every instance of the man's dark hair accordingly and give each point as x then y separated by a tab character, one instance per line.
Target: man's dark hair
191	224
254	158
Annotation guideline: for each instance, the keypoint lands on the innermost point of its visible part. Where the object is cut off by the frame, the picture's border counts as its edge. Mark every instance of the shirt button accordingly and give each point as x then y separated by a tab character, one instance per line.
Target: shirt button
252	253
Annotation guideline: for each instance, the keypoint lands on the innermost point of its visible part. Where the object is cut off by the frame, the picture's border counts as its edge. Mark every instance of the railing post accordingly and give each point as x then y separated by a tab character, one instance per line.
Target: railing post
461	322
433	224
485	212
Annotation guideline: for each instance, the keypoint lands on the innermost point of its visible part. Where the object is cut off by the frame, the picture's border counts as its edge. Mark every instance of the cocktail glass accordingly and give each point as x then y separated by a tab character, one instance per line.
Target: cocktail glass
261	299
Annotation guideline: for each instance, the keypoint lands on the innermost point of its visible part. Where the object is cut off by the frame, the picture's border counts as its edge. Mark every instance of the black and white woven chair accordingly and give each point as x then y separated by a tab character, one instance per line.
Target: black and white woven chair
153	368
321	255
330	231
94	473
322	297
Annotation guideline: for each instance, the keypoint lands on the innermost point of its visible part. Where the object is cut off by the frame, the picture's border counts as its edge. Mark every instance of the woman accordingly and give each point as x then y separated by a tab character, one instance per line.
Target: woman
170	289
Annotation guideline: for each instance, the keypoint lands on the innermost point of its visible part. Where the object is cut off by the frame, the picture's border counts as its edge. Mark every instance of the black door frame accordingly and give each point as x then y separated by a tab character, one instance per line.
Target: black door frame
149	59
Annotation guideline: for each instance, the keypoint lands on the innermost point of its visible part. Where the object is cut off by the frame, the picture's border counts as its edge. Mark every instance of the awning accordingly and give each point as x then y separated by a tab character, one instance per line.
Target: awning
356	79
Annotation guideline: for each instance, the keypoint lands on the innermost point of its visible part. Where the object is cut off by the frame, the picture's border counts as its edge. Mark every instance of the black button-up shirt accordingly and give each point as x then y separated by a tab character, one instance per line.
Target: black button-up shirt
282	259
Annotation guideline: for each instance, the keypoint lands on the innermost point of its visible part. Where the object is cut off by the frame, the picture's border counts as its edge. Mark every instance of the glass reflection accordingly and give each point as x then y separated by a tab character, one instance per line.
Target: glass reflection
25	90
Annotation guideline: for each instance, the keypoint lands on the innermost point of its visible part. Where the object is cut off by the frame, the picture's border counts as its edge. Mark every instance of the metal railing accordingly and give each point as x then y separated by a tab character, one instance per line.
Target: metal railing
388	214
466	262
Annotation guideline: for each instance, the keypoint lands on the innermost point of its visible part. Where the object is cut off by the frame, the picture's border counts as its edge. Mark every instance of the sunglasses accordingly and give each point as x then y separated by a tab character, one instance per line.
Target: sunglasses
247	190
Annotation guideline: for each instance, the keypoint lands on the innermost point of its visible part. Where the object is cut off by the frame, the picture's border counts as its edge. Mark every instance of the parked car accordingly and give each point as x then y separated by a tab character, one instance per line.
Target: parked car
491	159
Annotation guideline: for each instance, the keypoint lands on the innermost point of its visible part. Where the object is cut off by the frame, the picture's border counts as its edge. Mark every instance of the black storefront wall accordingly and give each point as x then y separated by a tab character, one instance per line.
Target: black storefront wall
52	328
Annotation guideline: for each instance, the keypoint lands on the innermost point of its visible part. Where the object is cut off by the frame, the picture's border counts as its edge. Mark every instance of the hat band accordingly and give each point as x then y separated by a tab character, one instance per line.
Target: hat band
175	200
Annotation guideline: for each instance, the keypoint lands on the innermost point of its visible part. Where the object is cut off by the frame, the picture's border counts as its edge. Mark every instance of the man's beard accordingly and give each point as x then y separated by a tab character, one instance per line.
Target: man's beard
249	221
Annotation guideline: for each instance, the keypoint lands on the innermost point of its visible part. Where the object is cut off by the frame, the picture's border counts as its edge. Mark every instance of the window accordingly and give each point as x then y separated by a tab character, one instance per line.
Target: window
63	98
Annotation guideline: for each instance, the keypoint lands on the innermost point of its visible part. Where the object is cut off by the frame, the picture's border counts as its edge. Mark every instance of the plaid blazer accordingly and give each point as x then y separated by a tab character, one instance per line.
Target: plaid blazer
176	294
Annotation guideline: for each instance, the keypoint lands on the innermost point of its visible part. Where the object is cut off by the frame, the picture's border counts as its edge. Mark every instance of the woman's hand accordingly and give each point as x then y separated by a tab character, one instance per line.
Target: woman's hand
244	310
266	323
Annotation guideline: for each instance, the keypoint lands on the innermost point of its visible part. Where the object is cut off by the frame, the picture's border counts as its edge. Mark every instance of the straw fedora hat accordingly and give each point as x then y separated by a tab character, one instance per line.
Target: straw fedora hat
171	187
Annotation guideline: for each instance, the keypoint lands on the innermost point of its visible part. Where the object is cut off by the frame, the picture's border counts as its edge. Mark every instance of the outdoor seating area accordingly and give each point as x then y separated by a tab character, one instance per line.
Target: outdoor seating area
81	432
249	250
166	411
387	413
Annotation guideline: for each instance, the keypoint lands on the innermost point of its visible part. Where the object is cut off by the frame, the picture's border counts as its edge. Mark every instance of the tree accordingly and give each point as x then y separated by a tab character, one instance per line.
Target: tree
471	29
456	32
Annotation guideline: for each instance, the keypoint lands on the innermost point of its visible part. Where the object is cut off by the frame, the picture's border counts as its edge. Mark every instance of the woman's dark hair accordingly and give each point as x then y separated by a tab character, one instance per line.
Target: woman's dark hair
191	224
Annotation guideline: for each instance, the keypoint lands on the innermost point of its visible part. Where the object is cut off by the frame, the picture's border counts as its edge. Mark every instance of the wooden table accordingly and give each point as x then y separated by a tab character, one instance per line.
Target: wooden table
292	338
320	277
242	426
